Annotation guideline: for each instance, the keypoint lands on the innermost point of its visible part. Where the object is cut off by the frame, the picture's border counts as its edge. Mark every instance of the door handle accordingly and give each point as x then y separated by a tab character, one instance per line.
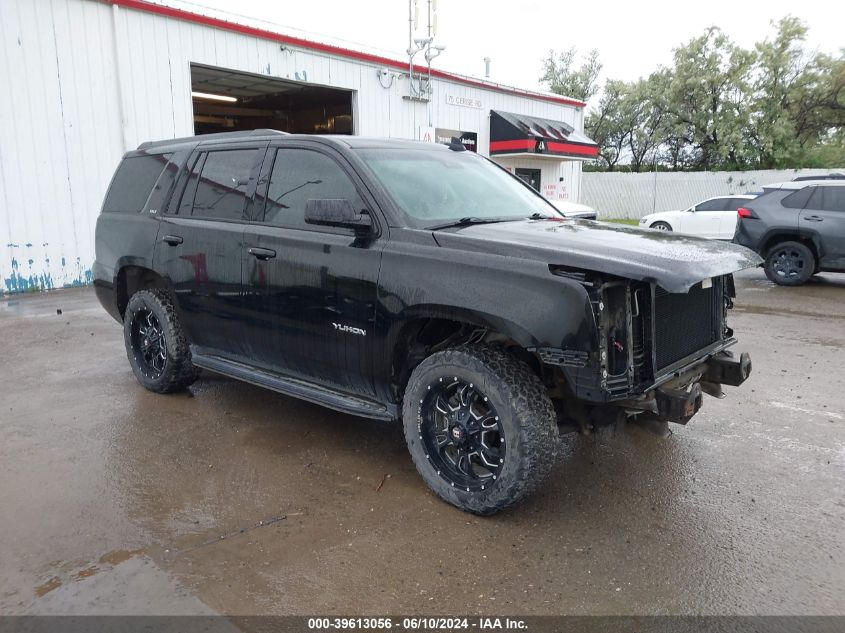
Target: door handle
261	253
173	240
814	218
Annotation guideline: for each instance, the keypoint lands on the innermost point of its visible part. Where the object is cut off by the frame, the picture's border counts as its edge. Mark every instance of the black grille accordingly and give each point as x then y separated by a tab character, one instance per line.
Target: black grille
685	323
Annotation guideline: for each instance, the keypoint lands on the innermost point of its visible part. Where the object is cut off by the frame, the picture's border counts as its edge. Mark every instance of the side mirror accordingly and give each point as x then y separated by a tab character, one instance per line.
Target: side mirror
336	212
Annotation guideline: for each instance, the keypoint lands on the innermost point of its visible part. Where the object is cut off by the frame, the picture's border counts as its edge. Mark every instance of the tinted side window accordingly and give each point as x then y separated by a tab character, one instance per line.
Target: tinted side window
798	199
133	181
833	199
711	205
731	204
301	174
222	184
815	198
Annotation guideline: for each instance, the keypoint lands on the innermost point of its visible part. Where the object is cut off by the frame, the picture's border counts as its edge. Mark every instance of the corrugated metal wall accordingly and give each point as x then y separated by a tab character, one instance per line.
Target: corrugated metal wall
84	81
623	195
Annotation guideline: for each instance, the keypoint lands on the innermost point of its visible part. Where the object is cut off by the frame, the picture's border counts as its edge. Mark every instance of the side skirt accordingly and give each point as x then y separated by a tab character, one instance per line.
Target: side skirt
317	394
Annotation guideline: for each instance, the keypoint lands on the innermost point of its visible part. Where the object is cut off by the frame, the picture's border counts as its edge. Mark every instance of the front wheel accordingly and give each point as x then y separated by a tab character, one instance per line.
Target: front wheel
480	427
790	264
155	343
661	226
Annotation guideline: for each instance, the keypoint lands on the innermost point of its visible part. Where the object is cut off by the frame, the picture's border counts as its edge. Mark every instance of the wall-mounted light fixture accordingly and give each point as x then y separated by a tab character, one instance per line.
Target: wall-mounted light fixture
206	95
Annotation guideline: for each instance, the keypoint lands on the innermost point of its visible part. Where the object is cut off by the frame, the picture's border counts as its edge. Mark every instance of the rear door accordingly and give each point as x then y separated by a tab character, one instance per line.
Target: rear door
200	241
311	291
727	222
824	216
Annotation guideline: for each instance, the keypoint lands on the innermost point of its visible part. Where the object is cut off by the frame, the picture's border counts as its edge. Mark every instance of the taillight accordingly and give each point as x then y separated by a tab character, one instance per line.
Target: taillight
745	213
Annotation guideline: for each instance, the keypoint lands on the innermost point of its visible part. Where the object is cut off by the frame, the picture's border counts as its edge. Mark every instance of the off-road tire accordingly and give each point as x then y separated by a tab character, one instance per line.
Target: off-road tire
178	371
794	249
661	226
526	414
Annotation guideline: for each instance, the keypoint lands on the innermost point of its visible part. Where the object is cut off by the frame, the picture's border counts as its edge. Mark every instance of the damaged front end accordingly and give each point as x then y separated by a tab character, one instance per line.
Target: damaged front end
656	353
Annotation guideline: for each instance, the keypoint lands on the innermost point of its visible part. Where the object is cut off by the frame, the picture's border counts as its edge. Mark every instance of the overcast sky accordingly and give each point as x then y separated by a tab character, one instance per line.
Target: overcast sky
632	38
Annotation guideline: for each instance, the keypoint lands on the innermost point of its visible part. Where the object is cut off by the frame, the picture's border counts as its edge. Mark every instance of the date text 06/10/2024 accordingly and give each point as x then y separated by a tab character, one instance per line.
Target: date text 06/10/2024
417	623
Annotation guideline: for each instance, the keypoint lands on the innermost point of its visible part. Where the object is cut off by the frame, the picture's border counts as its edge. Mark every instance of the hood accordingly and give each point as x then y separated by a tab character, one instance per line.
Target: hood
675	262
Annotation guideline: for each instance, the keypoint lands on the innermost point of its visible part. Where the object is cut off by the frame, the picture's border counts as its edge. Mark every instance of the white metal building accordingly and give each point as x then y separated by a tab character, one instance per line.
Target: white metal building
86	80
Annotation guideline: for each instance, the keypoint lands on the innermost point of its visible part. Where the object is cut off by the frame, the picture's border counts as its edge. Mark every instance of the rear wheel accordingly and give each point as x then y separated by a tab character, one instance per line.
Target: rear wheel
155	343
790	264
480	428
661	226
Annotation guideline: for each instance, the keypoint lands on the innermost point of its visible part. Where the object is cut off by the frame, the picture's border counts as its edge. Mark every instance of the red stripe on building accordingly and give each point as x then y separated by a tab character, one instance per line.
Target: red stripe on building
528	144
225	25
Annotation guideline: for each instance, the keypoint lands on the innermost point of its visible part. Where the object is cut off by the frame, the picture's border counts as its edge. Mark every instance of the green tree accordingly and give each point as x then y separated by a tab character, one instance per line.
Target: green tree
561	78
605	124
647	117
707	94
779	74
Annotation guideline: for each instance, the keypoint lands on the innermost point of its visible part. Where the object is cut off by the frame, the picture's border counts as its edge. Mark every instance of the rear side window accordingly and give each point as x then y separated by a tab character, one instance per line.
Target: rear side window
298	175
732	204
711	205
221	187
833	199
798	199
133	182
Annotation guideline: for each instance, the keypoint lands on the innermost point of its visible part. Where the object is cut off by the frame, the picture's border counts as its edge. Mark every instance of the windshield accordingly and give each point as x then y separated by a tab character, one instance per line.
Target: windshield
435	186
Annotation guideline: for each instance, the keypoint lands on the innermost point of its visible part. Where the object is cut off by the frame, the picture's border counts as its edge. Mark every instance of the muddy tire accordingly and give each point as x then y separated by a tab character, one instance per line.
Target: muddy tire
661	226
480	427
155	342
789	264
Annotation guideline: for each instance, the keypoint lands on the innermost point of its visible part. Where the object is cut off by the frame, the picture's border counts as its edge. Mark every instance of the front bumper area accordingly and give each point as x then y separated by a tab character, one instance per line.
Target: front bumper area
679	399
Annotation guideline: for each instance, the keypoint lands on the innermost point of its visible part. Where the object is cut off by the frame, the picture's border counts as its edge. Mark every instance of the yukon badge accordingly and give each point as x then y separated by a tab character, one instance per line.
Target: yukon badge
349	329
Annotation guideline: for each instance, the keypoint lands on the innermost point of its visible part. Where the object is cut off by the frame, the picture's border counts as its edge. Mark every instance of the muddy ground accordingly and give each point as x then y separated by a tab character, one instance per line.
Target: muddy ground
232	499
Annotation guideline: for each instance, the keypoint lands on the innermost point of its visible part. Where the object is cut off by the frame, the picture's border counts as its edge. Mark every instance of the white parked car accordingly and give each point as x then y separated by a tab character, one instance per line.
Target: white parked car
573	209
714	218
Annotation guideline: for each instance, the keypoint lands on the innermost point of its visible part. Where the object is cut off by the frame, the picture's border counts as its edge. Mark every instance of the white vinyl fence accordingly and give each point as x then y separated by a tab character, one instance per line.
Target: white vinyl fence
622	195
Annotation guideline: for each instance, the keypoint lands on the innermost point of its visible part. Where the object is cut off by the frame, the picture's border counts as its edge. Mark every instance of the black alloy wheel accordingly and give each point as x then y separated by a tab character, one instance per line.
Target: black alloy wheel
149	343
480	427
156	345
790	264
461	432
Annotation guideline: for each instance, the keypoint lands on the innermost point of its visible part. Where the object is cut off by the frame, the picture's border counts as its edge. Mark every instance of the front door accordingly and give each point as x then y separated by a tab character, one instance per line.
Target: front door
200	242
825	216
529	176
310	291
704	219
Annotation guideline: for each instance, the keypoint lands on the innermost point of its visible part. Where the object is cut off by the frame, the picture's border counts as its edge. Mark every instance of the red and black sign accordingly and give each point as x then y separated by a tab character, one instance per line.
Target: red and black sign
520	134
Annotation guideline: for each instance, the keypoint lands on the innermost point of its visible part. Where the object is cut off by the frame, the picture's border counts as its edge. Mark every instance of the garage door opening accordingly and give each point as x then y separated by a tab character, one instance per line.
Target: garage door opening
228	101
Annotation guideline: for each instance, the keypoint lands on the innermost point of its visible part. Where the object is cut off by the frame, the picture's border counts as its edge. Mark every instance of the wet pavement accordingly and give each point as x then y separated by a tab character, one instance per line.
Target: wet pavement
232	499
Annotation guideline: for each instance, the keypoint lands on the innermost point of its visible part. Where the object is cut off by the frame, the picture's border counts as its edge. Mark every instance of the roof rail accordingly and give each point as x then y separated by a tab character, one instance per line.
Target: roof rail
212	137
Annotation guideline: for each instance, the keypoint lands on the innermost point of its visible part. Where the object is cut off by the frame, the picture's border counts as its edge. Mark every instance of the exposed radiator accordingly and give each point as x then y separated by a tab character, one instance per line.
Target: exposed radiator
686	323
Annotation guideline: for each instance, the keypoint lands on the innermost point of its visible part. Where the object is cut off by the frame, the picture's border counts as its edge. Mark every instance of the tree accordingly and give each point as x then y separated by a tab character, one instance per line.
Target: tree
818	102
646	114
605	124
562	79
779	73
706	95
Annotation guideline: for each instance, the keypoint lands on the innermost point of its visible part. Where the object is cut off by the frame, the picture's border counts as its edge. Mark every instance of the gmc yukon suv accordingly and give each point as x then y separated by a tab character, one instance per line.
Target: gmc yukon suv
408	281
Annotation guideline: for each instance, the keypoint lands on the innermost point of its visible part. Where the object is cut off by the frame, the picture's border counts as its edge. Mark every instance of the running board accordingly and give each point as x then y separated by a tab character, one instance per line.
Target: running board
295	388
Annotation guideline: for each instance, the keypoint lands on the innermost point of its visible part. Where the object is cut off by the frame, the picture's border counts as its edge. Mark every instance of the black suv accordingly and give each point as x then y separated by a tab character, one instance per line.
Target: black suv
798	227
408	281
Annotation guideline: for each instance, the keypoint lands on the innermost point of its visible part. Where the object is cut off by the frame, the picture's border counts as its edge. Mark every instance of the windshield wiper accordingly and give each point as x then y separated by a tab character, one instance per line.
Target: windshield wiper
466	222
540	216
